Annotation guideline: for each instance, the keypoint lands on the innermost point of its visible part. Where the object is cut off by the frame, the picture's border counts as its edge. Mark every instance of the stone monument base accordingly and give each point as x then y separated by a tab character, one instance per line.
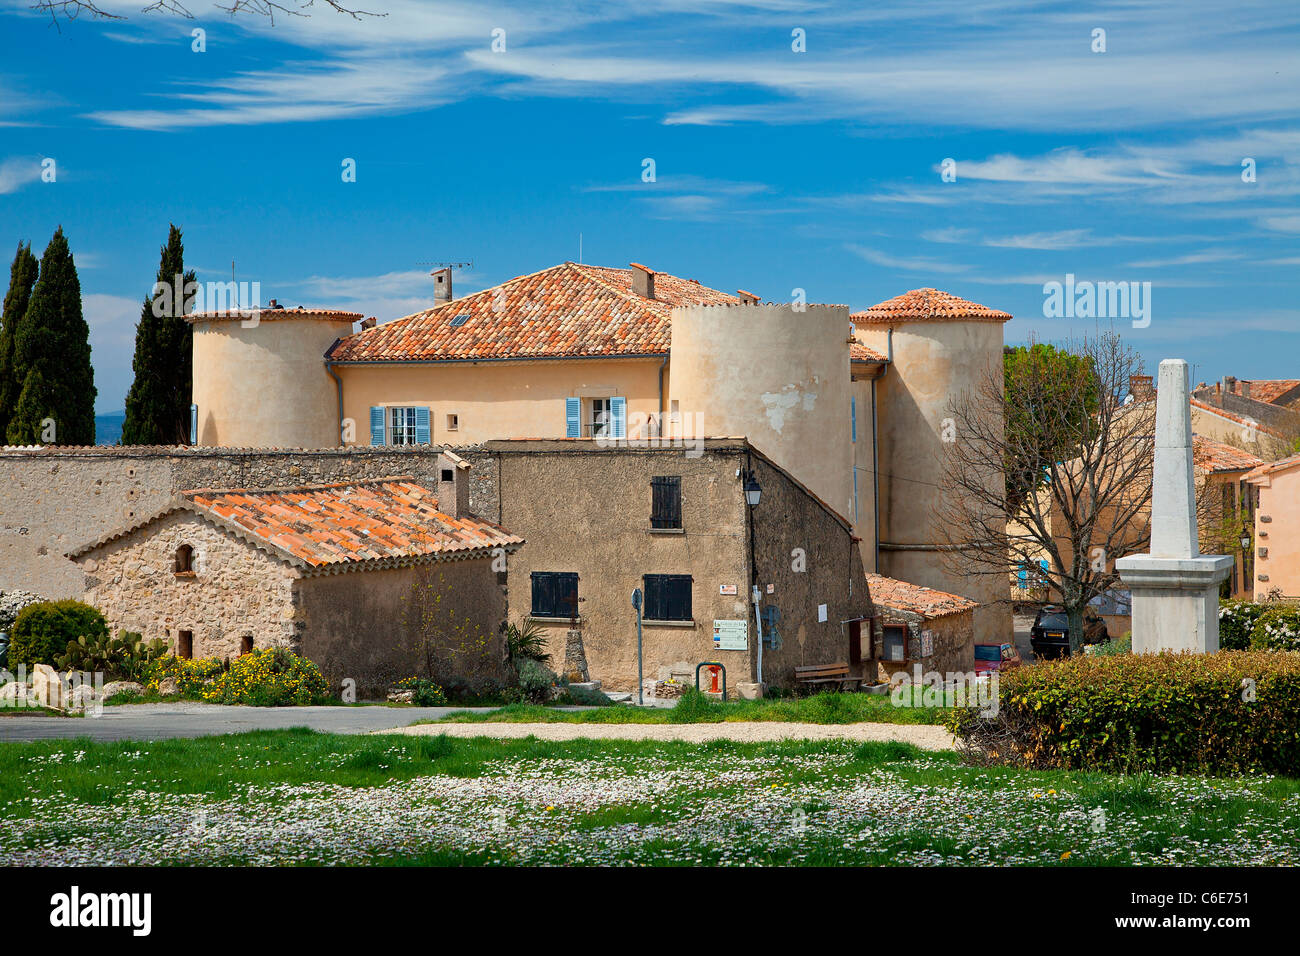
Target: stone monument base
1175	601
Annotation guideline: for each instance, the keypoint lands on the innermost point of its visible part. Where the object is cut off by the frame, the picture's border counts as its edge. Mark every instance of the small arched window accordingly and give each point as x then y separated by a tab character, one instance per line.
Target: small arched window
185	559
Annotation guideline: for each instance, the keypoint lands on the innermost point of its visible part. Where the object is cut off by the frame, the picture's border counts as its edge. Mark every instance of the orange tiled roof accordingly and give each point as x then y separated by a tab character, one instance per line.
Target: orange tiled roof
567	310
1266	389
1232	417
927	305
1282	464
1215	456
363	521
927	602
860	353
270	315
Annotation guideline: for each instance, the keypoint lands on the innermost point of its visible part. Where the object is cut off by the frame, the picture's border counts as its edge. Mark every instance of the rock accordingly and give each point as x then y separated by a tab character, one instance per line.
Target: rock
48	688
14	694
113	688
401	696
81	697
751	690
168	687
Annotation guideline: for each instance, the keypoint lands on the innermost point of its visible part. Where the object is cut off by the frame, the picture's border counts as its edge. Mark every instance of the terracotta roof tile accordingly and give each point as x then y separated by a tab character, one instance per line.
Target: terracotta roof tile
860	353
927	305
323	525
1232	417
1266	389
1282	464
927	602
270	315
1215	456
567	310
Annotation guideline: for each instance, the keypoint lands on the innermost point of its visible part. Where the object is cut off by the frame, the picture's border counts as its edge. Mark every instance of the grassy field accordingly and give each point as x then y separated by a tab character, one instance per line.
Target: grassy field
298	797
696	708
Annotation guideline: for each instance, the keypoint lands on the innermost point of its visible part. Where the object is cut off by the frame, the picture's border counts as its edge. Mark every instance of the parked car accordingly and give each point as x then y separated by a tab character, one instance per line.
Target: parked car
1050	635
996	657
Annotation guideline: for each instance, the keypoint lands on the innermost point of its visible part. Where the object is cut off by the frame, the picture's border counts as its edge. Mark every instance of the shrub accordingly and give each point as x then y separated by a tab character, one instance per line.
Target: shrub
12	602
1229	712
583	697
43	631
535	680
1277	630
269	677
424	692
191	676
125	657
1120	645
1236	622
528	641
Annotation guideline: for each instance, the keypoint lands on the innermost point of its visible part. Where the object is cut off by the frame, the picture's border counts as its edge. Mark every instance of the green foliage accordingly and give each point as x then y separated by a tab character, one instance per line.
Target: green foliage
1115	646
158	403
424	692
535	680
1231	712
1051	396
125	657
191	675
583	697
52	357
1236	621
528	641
1277	629
22	278
43	631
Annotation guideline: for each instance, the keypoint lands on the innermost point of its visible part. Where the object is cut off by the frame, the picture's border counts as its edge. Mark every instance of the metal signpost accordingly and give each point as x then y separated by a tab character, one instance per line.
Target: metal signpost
640	681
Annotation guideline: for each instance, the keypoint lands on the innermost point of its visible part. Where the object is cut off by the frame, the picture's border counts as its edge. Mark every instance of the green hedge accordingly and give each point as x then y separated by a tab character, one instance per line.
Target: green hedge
1277	629
43	631
1236	622
1230	712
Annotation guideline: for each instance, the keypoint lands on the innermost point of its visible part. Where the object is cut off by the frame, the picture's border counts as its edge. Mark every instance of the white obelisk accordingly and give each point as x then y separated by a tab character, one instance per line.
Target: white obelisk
1175	588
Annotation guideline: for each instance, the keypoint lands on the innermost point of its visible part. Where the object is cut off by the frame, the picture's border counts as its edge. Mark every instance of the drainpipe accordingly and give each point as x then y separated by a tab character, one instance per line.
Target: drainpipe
338	387
662	365
875	479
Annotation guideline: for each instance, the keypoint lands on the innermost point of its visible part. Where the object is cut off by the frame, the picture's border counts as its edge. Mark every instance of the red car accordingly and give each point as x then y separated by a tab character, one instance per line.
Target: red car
996	657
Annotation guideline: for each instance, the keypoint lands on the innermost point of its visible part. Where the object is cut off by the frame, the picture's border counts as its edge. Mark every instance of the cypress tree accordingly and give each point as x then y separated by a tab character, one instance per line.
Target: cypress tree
52	357
158	403
22	276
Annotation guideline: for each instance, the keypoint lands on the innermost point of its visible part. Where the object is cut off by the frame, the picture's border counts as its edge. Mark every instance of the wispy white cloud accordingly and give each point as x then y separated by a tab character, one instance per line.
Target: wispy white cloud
17	172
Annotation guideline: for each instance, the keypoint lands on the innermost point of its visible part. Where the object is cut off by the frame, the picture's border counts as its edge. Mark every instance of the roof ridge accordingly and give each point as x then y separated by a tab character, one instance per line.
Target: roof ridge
628	294
289	489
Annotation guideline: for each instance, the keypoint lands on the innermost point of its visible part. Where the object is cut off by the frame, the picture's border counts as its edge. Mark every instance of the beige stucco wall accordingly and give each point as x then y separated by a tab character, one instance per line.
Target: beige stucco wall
439	620
265	386
776	376
933	362
236	589
1277	529
497	399
863	515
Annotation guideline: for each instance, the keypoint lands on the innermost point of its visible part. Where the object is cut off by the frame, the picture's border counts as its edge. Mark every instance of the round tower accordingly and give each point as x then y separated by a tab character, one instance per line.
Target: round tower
776	375
260	379
939	346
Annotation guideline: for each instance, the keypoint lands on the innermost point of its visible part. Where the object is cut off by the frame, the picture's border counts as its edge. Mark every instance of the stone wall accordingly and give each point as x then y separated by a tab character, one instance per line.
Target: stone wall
56	499
954	642
235	589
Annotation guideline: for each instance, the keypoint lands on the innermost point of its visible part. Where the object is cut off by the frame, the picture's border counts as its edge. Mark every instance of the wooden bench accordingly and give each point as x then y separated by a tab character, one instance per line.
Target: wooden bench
838	674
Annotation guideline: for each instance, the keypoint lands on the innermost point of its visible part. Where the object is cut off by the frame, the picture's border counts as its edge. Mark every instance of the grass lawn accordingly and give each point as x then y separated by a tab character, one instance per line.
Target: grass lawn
298	797
695	708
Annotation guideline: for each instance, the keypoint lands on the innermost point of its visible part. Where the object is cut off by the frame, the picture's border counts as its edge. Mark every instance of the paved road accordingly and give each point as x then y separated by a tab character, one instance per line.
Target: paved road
188	719
1023	622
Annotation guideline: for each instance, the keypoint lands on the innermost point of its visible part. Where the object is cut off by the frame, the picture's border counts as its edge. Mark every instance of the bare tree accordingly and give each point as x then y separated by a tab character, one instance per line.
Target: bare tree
1090	502
72	9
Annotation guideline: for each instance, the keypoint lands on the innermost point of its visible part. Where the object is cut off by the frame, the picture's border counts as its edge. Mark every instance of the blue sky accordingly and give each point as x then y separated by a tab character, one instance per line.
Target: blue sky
775	169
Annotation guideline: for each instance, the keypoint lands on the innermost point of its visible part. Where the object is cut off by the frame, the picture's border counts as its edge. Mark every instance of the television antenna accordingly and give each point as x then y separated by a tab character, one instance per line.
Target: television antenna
439	266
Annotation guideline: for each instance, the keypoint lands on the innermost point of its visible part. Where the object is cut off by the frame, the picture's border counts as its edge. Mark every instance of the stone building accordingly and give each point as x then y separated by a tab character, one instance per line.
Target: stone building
919	625
368	579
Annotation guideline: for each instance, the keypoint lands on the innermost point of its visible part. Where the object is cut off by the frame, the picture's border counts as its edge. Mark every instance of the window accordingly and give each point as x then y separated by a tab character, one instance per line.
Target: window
246	645
895	648
448	475
453	423
666	502
185	644
667	597
401	426
601	421
185	559
555	594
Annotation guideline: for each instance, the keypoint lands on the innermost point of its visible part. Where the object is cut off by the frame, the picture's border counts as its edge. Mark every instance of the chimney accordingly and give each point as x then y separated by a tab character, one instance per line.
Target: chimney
453	485
643	281
1245	389
442	285
1229	383
273	305
368	323
747	297
1139	387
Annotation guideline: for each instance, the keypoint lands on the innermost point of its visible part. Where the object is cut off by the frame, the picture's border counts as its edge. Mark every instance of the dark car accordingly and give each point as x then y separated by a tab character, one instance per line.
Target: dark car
1050	635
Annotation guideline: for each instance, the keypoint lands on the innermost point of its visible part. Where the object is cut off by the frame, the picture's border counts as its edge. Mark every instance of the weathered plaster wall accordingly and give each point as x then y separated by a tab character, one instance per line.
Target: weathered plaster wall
376	627
236	589
953	636
1277	534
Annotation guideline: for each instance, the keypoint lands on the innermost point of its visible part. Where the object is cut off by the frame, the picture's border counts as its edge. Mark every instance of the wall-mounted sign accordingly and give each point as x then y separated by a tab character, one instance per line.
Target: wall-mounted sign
726	589
821	613
731	635
771	589
927	643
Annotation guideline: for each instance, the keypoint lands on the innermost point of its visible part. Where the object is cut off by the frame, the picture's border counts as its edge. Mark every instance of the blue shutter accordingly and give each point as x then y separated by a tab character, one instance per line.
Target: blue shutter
422	435
1022	576
572	418
618	411
853	418
376	424
194	424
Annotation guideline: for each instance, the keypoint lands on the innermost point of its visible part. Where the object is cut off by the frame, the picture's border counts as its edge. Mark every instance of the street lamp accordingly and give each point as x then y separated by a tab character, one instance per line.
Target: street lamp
752	490
1245	538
